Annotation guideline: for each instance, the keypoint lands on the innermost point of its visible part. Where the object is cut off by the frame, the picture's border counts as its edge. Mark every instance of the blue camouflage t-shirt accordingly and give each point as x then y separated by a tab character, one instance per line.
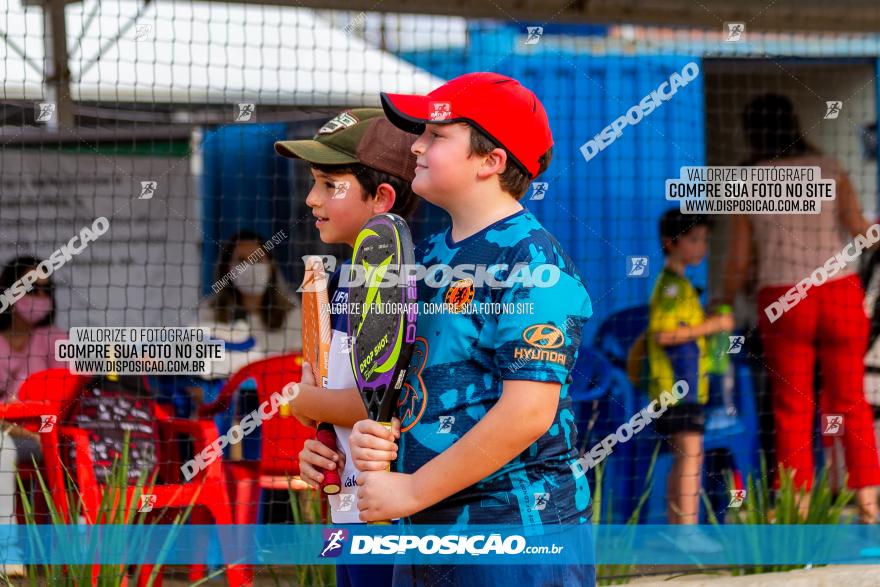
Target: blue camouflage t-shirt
473	334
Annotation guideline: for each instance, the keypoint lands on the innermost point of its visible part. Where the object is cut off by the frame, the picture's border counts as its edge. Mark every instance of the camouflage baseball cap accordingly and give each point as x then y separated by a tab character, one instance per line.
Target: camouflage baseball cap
360	135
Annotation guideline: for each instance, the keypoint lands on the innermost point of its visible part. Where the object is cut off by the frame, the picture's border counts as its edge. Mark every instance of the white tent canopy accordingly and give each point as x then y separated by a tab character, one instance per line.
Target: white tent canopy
201	52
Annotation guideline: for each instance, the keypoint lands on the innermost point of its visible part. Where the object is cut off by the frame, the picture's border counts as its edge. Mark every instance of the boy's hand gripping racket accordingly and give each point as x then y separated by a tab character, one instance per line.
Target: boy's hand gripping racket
316	336
382	313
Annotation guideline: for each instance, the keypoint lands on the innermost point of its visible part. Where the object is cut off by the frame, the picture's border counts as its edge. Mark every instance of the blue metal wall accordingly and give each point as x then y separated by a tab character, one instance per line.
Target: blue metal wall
602	211
241	177
606	209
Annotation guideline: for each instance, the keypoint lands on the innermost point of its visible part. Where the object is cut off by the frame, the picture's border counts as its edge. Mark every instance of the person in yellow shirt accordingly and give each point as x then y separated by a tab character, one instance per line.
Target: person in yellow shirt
677	330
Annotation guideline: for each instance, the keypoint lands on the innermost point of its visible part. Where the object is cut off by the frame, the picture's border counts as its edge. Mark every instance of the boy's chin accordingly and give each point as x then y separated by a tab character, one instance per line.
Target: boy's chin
326	237
424	192
329	238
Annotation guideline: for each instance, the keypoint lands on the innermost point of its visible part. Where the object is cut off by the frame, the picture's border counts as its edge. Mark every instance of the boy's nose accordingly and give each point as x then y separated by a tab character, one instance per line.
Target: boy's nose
313	200
418	147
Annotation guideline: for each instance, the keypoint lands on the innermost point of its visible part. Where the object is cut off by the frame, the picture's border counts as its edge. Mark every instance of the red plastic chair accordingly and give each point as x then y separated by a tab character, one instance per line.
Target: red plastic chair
207	490
53	393
283	437
45	395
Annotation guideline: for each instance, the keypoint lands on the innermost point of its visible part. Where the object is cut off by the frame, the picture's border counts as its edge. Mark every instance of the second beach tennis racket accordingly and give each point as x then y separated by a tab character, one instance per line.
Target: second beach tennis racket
382	317
316	335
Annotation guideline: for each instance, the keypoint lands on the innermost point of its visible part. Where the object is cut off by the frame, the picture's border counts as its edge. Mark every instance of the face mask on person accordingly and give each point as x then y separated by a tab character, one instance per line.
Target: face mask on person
254	279
33	309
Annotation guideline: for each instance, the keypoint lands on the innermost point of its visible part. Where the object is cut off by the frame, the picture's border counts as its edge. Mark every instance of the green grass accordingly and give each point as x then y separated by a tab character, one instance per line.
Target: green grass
112	510
763	505
306	508
617	574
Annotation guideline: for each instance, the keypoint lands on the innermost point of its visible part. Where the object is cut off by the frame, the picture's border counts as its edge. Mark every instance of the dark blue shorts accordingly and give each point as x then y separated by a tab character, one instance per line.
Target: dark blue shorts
364	575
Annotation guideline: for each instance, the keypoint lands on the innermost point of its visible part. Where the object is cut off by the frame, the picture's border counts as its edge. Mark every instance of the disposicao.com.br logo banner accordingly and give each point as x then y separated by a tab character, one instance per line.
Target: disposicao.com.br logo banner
301	544
422	545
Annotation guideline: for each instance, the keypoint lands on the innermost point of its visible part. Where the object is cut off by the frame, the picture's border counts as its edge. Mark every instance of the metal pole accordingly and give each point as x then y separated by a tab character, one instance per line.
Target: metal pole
57	78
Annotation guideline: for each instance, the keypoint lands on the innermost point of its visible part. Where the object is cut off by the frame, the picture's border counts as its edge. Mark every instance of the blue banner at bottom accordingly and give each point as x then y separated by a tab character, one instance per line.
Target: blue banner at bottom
474	545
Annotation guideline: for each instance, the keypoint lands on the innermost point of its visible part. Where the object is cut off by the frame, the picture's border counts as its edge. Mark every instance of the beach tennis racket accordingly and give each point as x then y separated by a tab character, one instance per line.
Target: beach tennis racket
316	335
382	316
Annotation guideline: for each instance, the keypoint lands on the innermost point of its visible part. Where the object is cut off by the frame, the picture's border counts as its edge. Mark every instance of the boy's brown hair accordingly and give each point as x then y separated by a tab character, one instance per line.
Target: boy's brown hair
405	201
513	179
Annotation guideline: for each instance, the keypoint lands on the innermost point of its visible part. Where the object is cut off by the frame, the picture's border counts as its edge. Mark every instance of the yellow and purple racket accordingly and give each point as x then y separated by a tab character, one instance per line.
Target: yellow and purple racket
382	313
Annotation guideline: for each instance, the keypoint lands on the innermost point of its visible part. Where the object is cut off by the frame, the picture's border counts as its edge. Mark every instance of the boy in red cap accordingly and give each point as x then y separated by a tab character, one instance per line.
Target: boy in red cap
486	426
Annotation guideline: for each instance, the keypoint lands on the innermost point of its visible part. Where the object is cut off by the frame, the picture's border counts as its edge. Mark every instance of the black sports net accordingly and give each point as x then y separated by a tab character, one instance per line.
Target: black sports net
138	178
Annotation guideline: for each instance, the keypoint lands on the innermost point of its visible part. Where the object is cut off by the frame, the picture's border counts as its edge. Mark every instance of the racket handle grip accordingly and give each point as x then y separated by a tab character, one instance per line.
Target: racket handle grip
387	425
332	484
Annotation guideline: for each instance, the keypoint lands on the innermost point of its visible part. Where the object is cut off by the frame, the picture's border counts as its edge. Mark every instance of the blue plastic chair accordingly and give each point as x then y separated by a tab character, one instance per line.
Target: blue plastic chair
619	331
602	394
735	434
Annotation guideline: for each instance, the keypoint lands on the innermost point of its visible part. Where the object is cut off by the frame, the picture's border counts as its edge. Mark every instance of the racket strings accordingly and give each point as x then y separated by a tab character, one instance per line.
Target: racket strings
375	398
380	328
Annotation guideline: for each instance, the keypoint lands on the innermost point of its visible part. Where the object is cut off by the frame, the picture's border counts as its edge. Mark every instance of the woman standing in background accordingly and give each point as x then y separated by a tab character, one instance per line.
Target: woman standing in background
829	324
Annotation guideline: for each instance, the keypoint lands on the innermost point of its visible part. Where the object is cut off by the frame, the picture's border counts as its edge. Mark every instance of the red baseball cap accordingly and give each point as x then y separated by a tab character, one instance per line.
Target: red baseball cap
502	108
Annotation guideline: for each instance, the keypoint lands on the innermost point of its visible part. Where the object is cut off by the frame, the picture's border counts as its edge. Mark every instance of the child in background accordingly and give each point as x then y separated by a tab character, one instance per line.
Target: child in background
362	166
677	331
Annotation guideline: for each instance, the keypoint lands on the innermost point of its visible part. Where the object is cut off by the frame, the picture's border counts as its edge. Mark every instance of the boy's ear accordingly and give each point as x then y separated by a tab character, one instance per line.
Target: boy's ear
494	163
384	200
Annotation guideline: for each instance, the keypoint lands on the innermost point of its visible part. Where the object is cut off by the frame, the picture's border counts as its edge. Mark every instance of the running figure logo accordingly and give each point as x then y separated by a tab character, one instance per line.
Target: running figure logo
148	190
541	500
143	32
147	503
539	190
441	111
446	423
333	541
736	344
637	267
47	423
341	188
346	500
246	112
45	111
832	109
832	425
737	496
735	31
535	33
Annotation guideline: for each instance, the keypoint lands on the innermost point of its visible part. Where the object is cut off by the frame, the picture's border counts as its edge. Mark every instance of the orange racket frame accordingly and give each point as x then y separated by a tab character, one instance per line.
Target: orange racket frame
316	336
